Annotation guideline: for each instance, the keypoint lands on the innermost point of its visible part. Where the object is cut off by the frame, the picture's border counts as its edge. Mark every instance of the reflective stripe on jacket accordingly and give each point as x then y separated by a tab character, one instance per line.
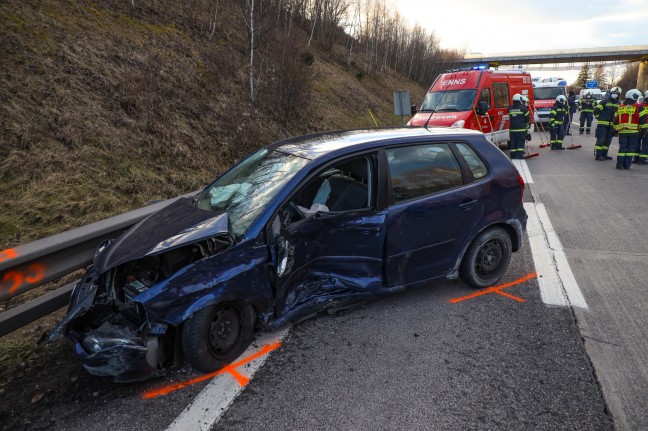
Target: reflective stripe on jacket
557	114
627	119
586	105
605	110
519	117
644	113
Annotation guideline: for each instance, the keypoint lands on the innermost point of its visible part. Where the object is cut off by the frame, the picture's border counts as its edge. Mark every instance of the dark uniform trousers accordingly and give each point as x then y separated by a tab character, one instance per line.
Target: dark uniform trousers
557	134
517	139
586	116
604	134
628	143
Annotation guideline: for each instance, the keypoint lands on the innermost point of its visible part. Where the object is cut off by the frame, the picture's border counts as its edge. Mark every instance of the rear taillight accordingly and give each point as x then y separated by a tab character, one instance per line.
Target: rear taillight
521	181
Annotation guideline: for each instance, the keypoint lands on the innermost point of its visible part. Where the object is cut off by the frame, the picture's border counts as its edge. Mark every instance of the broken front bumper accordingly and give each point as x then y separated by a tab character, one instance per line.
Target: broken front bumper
125	362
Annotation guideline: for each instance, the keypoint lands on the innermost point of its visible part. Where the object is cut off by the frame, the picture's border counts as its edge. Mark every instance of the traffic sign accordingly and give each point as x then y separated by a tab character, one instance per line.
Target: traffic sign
591	84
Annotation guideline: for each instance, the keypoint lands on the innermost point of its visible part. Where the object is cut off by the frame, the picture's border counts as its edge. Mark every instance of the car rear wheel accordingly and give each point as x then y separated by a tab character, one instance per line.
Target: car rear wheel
487	258
216	335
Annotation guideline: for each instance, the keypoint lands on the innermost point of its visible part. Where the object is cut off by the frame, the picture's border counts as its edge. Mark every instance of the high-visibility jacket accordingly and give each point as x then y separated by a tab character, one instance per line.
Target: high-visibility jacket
605	110
557	114
519	117
627	119
644	113
586	105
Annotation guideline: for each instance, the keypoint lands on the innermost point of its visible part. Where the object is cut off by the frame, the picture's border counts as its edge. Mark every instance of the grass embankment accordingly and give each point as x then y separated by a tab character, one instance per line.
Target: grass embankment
105	107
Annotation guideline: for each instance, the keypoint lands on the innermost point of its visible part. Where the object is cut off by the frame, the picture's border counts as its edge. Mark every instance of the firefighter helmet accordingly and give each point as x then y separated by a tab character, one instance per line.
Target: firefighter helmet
633	94
525	100
615	92
561	99
588	95
517	97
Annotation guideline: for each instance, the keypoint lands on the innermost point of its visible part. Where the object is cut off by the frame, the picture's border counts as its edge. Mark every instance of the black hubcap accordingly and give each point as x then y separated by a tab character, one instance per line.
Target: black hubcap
489	258
224	330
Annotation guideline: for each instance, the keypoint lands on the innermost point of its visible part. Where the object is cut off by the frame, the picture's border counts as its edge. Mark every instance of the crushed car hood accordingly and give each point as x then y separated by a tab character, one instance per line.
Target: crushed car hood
178	224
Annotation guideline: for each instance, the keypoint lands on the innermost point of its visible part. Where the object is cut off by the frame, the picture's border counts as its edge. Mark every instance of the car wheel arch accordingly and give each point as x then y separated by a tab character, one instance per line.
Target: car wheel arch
196	334
511	228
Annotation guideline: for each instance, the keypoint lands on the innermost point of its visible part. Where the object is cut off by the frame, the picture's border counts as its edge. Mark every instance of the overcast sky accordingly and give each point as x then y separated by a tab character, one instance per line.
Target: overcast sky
496	26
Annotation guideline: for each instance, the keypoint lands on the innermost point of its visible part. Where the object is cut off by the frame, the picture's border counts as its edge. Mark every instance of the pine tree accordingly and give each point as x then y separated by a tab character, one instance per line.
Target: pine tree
583	75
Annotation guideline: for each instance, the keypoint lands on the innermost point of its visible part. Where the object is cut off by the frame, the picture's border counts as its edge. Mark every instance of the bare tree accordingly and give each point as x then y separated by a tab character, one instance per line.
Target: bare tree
212	20
253	26
614	73
629	77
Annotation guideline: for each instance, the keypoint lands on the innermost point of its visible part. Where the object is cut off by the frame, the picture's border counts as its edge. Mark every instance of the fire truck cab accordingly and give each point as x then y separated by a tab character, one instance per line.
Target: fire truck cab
476	98
544	96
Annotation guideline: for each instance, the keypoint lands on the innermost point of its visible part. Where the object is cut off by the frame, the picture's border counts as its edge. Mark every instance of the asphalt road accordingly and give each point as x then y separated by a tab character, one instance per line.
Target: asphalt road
426	359
601	215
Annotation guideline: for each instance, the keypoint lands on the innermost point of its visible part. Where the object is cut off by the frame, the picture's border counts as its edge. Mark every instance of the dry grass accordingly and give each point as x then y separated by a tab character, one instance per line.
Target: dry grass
104	107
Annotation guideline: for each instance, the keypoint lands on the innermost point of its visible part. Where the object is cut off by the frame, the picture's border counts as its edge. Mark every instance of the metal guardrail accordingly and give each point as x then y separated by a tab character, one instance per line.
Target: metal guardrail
28	266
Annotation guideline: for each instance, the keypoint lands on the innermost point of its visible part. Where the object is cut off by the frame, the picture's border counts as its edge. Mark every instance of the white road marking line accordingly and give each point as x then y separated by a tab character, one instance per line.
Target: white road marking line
558	285
210	405
523	169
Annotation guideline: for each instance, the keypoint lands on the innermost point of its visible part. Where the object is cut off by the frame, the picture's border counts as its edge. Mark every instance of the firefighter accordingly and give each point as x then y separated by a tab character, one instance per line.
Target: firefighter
604	114
642	159
586	106
628	122
519	127
572	105
556	117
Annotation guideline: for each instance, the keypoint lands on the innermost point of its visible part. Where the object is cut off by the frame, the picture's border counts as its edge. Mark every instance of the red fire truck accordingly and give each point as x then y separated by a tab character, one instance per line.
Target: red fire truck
475	98
544	96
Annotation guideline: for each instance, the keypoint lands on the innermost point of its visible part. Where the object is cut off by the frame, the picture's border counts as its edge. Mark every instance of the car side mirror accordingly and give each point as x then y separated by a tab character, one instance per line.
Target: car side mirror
482	107
413	110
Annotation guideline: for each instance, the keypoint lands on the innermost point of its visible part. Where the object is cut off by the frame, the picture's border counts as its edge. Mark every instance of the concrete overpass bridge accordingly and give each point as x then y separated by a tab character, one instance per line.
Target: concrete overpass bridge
596	56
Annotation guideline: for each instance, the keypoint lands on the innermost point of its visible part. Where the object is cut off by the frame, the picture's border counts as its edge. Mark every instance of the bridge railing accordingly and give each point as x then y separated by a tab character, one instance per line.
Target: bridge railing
31	265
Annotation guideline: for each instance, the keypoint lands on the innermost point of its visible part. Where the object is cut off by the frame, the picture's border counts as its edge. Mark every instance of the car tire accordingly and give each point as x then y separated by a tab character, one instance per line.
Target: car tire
216	335
487	258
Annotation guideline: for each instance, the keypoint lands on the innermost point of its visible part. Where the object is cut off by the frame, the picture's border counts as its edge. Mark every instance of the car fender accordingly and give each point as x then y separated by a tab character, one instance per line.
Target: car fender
513	226
239	274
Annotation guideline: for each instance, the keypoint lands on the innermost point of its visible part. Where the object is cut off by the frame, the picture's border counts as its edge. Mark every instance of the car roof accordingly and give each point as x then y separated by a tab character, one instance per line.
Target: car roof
317	145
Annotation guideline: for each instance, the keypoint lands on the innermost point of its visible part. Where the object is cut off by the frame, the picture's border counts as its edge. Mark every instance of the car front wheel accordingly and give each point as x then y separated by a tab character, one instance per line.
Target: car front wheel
487	258
216	335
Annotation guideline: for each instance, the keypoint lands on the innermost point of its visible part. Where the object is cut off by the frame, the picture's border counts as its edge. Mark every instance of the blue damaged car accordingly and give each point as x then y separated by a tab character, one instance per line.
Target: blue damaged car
304	225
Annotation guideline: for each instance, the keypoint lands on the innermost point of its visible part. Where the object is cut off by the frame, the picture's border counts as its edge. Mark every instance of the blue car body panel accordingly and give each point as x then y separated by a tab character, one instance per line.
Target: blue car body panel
324	260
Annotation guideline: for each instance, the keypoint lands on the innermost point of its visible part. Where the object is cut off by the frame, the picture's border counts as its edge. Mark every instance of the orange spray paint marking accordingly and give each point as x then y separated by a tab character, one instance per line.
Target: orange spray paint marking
12	280
231	369
36	273
7	254
498	290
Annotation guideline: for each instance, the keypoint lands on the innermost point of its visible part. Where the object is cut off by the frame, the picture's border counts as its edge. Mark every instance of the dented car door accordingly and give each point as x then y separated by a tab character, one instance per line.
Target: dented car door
330	252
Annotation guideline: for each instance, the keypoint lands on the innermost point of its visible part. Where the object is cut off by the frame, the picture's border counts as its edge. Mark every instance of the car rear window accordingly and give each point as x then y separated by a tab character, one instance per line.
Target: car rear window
422	170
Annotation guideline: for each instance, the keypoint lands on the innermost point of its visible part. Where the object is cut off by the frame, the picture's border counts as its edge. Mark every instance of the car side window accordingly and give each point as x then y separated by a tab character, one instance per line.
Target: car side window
422	170
501	93
343	186
485	96
476	165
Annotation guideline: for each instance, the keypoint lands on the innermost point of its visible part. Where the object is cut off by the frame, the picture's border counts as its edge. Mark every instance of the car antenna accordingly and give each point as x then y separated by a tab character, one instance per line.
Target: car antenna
428	120
434	109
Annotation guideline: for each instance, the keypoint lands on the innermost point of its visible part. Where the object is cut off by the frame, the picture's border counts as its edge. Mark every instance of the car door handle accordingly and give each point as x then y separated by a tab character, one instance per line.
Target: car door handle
468	204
